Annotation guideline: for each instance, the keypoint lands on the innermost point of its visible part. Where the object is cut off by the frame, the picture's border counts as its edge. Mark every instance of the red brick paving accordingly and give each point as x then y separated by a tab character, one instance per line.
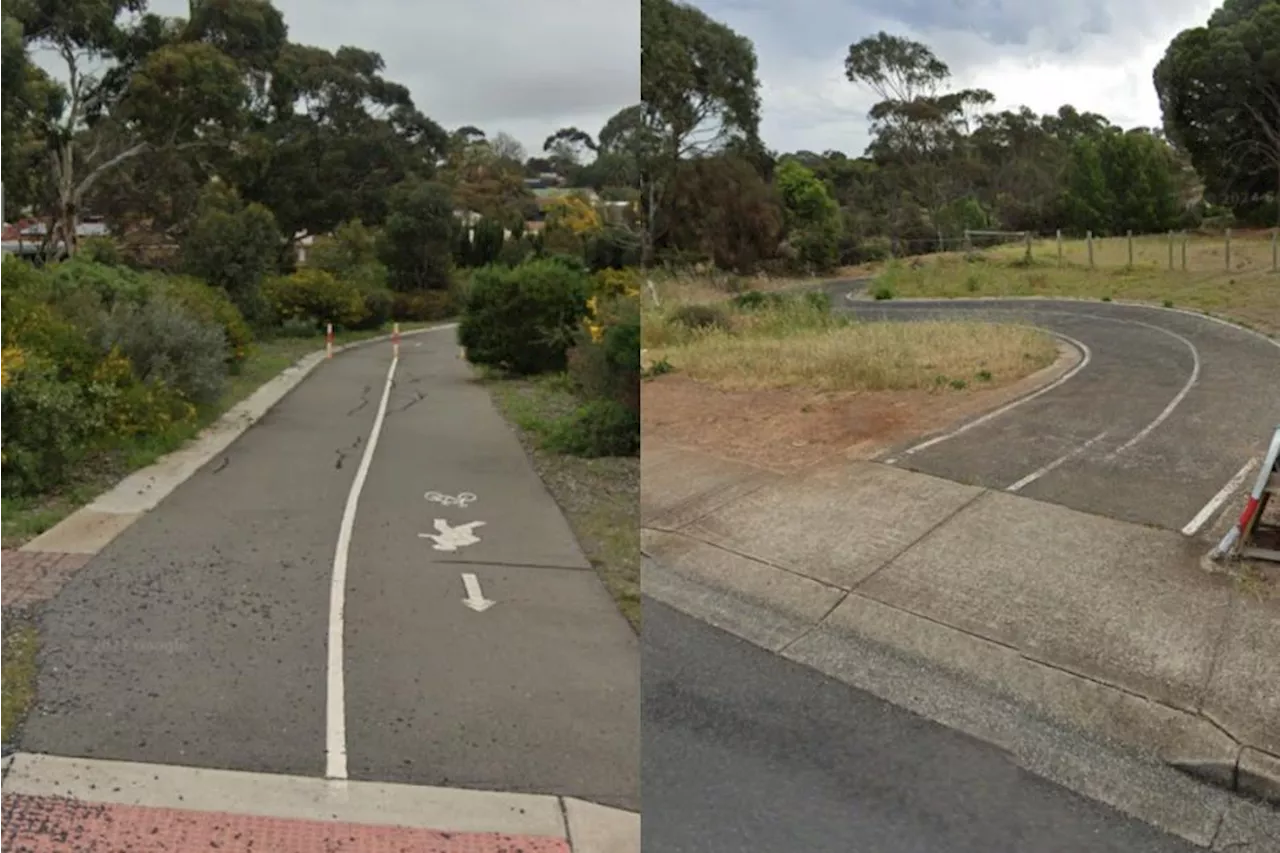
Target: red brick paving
49	824
31	576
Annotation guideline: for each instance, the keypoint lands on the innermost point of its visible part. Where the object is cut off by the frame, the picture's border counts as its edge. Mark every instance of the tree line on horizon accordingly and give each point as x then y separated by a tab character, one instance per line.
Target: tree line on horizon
150	111
940	160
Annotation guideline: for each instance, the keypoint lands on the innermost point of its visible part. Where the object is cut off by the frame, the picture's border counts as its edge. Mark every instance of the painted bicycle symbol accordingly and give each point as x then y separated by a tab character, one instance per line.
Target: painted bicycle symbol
460	500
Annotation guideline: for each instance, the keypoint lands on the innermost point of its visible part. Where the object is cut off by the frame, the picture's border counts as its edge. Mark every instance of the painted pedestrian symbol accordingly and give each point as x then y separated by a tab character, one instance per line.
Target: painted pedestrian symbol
450	538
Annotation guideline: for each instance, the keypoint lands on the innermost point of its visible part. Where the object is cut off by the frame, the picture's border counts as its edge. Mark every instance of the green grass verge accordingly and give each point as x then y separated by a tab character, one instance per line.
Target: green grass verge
17	674
600	497
27	517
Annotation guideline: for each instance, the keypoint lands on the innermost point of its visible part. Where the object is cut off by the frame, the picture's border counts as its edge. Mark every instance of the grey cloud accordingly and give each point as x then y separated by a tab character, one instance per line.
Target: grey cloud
527	68
810	28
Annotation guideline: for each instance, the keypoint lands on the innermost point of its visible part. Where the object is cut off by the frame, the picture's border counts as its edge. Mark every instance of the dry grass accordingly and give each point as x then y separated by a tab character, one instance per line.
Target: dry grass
1251	252
1248	294
795	342
711	285
868	357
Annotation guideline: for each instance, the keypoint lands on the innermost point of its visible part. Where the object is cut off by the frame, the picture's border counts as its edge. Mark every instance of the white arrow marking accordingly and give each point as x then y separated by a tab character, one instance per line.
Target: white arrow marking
475	599
449	538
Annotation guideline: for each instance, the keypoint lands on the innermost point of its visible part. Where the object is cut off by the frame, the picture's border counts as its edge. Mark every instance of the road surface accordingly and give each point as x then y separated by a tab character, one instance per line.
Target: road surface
1164	411
745	752
199	637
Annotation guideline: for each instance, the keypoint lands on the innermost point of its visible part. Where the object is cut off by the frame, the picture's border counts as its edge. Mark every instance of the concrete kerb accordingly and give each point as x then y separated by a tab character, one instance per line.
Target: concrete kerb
1128	751
589	828
91	528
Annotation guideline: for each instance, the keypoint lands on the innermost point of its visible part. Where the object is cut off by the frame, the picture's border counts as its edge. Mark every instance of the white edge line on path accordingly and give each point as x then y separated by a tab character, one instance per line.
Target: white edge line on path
335	716
1215	503
1084	362
1141	434
1173	404
1040	472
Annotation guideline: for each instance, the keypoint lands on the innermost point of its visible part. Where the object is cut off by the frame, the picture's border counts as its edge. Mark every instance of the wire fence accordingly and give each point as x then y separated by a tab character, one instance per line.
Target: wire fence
1232	251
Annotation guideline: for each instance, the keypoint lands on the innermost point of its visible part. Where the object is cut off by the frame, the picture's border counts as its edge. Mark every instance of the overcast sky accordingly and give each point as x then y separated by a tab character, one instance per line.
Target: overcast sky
1095	54
526	68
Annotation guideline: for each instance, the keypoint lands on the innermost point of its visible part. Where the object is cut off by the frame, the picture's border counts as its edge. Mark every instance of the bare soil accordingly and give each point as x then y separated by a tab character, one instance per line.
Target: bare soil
790	430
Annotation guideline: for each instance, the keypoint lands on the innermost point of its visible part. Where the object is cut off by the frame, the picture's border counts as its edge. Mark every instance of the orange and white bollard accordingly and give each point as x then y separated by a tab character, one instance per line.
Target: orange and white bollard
395	340
328	340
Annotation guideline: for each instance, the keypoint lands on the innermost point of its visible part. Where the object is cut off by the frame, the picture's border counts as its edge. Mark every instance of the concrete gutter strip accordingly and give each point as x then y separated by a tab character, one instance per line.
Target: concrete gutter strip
783	613
90	529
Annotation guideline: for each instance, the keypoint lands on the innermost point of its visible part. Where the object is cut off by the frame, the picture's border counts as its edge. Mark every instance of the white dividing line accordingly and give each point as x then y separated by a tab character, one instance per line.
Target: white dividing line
1173	404
1084	362
1215	503
1040	472
336	712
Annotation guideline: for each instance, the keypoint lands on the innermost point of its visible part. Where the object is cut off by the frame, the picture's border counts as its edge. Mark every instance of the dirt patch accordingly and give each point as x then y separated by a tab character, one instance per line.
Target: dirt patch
789	430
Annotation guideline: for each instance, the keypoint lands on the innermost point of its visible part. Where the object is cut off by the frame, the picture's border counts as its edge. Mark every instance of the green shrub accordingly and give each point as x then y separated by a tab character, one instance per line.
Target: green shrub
524	319
212	306
38	327
19	274
169	346
422	306
50	424
378	304
516	252
233	246
101	250
817	301
699	316
417	240
312	294
755	300
352	245
874	249
109	285
609	368
294	327
612	248
487	240
596	428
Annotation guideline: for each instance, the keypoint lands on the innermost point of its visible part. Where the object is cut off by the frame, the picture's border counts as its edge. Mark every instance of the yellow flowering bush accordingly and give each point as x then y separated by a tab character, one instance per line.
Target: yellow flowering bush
94	358
605	365
573	214
11	359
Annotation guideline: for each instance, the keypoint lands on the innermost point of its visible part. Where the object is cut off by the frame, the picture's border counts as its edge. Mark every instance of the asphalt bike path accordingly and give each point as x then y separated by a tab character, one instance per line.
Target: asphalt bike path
1162	412
532	684
199	636
747	752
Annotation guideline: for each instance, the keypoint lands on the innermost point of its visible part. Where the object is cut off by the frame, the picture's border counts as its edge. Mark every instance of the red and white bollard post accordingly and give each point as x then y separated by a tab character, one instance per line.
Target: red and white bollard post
1270	465
395	340
328	341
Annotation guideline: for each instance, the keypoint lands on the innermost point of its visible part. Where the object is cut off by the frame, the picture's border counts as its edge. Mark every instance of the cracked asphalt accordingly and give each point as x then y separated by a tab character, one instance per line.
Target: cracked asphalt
198	637
1168	407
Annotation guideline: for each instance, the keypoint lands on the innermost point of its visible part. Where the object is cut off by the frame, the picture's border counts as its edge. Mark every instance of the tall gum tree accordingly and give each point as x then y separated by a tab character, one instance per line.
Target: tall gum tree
700	92
132	84
1219	90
